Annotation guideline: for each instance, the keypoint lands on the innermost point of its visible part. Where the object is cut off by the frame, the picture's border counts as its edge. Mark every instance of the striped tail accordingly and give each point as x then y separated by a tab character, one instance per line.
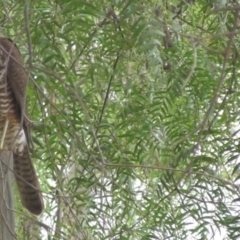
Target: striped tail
27	182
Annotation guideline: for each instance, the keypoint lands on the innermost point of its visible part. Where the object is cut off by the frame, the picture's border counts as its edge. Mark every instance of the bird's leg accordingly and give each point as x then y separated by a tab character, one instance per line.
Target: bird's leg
4	133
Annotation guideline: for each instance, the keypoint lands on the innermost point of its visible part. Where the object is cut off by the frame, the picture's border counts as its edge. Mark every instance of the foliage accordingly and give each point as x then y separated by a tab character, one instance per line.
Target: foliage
135	116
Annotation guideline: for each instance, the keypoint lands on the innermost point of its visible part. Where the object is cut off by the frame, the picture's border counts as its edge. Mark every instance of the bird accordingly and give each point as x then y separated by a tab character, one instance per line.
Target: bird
14	124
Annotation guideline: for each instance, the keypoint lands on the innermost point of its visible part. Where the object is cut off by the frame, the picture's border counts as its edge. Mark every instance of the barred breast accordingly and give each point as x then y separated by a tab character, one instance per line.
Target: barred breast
15	139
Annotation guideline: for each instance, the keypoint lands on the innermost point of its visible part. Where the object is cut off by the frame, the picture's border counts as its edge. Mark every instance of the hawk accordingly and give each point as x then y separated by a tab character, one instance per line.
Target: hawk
14	130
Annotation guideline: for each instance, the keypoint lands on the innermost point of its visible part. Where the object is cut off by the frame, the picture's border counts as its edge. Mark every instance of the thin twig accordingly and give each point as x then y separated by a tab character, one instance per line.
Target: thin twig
26	26
200	173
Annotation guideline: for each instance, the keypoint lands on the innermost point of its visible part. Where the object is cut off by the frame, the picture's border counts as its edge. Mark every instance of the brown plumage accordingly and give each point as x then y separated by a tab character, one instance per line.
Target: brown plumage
13	82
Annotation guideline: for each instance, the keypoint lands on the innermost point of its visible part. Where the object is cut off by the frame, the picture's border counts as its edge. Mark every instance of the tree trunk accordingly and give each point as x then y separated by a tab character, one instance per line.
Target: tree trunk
7	224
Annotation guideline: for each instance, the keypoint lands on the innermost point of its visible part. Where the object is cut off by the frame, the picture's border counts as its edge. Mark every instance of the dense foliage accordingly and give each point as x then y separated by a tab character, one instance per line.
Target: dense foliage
135	116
